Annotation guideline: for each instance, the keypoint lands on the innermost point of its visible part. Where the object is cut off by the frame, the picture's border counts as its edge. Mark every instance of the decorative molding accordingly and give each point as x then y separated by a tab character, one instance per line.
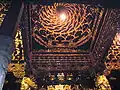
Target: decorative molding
18	53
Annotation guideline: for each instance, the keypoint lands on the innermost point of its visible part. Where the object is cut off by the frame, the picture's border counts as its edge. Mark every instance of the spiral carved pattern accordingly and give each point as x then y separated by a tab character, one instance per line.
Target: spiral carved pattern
63	24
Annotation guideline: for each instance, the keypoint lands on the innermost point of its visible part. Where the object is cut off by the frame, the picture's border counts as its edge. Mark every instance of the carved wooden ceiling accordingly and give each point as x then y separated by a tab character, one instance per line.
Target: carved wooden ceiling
64	25
79	42
55	45
64	45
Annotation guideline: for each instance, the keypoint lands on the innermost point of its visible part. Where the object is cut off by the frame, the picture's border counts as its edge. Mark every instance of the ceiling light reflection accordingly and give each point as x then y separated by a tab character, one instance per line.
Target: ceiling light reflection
62	16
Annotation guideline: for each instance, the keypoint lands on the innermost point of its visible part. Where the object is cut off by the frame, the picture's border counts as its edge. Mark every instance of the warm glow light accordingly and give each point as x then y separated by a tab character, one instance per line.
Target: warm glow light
118	38
62	16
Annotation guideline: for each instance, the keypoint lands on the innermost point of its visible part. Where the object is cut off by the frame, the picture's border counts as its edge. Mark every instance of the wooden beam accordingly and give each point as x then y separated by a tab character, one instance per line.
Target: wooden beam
11	20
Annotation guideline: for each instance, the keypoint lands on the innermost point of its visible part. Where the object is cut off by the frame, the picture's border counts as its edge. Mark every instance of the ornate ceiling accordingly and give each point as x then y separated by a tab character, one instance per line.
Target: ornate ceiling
49	53
64	25
63	41
66	37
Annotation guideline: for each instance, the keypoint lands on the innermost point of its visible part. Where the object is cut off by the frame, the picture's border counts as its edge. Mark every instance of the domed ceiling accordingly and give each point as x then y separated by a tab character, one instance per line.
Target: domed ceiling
63	35
65	25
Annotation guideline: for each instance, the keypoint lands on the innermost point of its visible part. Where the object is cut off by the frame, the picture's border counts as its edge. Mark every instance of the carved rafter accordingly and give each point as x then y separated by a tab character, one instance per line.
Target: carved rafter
113	58
109	28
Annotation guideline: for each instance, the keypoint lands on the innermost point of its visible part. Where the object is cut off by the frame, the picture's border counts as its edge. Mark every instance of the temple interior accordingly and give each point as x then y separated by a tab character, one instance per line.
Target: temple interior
59	45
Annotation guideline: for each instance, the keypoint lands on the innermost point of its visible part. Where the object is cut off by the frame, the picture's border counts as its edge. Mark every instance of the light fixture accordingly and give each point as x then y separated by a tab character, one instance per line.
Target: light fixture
62	16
